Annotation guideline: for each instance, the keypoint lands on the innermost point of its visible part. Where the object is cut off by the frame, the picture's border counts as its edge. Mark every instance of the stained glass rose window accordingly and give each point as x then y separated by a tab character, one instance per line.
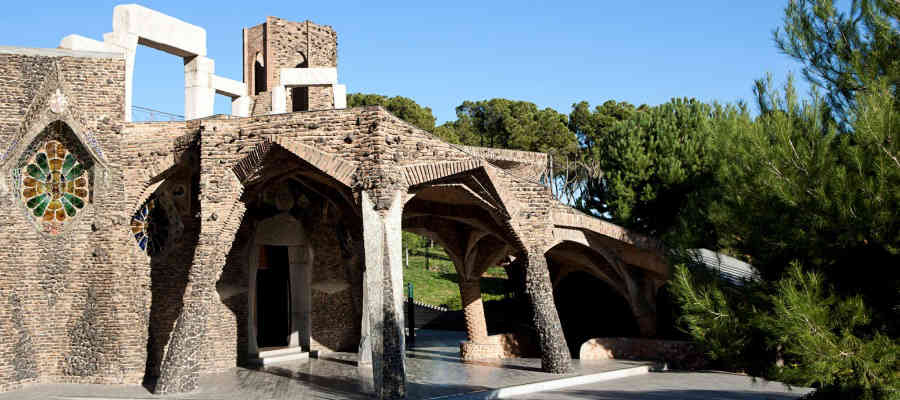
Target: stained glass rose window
54	185
150	227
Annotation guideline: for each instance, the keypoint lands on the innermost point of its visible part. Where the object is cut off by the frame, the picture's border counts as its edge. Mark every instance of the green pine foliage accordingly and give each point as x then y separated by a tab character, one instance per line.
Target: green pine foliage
511	124
797	188
403	107
843	52
658	164
794	330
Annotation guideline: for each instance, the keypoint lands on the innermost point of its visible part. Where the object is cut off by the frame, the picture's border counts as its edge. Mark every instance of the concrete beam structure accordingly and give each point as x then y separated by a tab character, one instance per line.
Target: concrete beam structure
240	107
135	25
160	31
229	87
306	77
294	77
81	43
237	91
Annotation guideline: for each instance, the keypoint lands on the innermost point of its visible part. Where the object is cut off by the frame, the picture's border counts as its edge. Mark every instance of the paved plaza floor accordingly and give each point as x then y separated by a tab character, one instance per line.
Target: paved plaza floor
675	386
434	370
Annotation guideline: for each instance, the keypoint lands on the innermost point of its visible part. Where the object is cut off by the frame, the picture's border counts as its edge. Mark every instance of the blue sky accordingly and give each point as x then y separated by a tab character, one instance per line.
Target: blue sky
550	53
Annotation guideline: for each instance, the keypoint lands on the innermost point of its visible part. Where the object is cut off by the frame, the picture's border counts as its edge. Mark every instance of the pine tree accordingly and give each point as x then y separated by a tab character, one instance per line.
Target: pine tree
844	53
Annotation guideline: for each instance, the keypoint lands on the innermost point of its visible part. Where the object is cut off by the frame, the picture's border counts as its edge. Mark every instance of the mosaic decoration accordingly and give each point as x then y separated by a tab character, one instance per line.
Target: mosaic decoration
9	149
92	141
54	185
150	227
58	102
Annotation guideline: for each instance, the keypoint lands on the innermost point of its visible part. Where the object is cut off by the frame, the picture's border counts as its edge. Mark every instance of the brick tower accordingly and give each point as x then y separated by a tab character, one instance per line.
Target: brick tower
277	44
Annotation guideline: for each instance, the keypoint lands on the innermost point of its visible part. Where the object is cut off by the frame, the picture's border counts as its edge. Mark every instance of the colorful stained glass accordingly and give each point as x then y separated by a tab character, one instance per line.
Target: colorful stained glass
150	227
54	185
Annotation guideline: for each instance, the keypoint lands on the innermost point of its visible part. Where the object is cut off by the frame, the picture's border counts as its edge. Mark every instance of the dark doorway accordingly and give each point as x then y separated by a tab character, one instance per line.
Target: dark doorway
259	75
300	99
589	308
300	95
273	297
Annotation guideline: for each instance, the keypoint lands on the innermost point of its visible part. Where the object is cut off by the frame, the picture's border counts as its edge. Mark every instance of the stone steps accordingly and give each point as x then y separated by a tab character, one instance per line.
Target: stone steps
279	355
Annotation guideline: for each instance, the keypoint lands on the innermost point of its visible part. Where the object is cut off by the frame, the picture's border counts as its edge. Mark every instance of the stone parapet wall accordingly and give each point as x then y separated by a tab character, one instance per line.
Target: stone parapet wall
676	353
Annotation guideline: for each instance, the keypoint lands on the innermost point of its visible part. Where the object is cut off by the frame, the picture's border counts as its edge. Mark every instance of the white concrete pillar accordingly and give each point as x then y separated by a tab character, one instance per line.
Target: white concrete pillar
199	93
339	93
279	100
240	106
128	43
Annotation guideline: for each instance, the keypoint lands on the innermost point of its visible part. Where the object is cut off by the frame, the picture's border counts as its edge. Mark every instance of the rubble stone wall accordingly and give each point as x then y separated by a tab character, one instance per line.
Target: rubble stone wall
72	307
676	353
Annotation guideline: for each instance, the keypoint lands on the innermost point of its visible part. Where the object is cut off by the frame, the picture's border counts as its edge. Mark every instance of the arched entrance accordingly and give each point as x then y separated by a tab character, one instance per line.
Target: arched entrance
279	281
598	294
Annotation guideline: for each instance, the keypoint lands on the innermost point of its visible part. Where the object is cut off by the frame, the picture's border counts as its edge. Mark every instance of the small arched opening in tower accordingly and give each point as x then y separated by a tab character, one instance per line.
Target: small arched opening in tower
300	95
259	74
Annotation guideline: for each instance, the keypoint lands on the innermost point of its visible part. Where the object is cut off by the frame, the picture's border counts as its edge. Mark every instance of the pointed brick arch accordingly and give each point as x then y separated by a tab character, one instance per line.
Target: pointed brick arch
484	175
330	165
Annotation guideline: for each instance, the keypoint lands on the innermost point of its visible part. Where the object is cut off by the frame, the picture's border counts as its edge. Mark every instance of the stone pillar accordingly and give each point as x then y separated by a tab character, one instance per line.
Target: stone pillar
221	213
473	309
128	43
301	261
555	355
643	307
279	100
199	93
253	268
383	296
641	295
240	106
339	94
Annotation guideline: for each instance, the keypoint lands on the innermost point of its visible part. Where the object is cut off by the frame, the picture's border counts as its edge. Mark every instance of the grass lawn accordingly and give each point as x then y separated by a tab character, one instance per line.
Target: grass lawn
440	287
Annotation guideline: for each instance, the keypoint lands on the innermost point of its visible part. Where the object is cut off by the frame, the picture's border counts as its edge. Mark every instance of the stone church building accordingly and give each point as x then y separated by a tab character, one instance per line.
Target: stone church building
164	250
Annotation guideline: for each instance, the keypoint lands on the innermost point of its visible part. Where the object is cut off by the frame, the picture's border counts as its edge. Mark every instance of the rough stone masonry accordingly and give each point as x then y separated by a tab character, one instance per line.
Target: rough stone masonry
159	251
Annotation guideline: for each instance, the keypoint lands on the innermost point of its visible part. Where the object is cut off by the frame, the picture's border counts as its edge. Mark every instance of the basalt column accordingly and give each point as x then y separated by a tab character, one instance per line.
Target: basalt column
383	334
555	355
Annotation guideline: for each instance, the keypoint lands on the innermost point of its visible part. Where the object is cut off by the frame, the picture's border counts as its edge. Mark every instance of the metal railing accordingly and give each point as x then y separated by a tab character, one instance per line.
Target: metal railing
144	114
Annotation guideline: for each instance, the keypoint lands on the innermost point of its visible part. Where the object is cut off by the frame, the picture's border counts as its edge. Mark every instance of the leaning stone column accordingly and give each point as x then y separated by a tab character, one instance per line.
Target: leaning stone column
383	297
221	212
473	310
555	355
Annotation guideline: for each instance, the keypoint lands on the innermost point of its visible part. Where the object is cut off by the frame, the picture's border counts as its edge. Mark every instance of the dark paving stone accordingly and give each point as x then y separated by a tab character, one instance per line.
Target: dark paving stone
433	370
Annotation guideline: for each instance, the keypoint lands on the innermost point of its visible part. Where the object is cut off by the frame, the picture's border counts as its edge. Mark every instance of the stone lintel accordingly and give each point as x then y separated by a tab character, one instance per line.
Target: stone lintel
160	31
292	77
229	87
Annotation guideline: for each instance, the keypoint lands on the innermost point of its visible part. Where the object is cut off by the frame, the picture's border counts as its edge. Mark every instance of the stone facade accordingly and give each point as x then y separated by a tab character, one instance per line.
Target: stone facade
137	252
